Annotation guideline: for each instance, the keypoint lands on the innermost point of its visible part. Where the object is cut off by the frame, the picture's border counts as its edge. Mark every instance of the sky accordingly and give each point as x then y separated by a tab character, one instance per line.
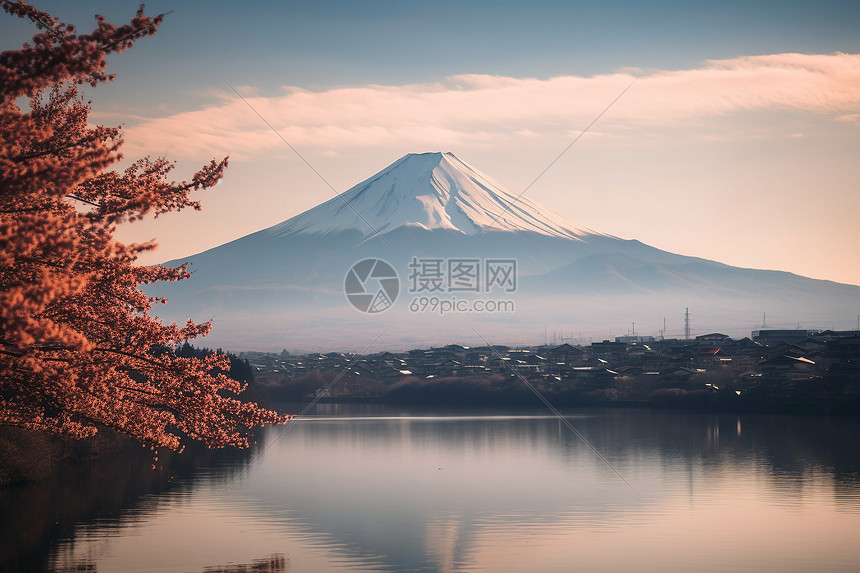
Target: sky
737	138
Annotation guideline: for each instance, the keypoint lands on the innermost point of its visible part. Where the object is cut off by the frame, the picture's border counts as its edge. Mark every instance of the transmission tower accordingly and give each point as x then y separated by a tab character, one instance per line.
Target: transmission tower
687	323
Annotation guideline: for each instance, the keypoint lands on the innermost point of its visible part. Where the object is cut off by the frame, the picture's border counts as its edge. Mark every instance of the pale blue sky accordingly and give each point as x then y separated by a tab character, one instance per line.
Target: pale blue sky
325	43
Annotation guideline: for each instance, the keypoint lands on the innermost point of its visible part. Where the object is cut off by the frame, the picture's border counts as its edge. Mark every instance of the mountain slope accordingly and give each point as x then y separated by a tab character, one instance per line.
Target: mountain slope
284	286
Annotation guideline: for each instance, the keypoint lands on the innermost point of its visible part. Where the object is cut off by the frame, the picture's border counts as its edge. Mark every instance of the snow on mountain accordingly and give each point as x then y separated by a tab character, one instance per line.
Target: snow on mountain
430	191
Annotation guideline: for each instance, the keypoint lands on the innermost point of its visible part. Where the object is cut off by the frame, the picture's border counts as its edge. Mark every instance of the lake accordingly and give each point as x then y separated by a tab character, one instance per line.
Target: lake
372	488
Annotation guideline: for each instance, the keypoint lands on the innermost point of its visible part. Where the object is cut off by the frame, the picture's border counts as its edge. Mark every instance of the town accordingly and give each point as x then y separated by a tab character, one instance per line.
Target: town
803	370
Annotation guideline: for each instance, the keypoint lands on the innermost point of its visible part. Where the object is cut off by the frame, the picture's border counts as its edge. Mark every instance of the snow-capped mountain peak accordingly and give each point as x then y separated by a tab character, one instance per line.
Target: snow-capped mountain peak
430	191
288	284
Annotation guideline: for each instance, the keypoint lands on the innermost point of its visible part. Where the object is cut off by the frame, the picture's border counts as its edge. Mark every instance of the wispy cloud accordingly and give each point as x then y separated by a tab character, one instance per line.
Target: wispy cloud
481	109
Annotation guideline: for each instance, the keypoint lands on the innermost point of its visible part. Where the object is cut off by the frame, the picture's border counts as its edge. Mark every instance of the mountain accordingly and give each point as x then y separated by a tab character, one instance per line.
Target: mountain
430	191
448	234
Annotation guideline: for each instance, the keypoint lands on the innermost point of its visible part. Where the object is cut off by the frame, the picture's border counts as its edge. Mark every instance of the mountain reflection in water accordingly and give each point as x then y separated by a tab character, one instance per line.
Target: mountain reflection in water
367	488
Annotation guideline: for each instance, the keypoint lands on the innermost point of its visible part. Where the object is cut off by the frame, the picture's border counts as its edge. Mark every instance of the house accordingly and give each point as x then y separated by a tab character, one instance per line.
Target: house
713	357
813	343
527	364
566	354
446	368
499	364
788	367
843	355
683	374
772	337
609	350
594	376
713	339
630	370
634	339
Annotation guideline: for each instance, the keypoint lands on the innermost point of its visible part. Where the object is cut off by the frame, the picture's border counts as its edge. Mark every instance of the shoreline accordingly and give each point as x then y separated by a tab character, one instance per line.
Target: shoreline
688	403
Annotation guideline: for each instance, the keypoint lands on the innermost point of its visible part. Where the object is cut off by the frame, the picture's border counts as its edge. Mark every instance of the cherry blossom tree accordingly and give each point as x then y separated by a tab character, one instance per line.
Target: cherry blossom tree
79	349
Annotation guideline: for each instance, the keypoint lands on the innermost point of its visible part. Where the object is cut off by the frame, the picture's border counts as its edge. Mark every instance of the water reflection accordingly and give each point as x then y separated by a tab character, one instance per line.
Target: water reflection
271	564
380	489
439	487
107	493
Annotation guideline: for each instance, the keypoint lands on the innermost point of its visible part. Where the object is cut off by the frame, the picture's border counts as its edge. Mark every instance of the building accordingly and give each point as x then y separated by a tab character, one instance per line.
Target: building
773	336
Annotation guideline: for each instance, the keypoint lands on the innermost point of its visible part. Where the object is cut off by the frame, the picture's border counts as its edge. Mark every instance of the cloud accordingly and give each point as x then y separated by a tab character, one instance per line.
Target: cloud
477	109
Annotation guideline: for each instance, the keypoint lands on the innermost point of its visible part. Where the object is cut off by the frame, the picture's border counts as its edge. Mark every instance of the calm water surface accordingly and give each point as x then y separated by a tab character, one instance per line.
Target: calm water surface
368	488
